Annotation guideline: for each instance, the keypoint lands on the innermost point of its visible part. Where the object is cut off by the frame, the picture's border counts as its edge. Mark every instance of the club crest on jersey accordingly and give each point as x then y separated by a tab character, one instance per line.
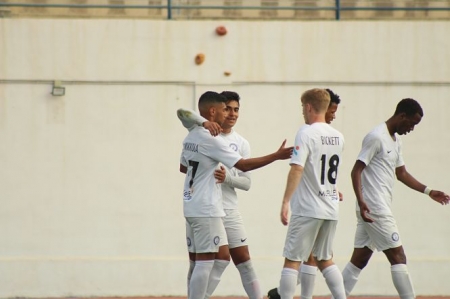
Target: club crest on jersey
216	240
296	148
188	241
234	147
395	237
187	195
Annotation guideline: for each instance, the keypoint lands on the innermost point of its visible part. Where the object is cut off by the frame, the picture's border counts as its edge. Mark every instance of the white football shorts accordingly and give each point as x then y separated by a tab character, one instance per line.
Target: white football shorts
308	235
381	234
234	226
205	234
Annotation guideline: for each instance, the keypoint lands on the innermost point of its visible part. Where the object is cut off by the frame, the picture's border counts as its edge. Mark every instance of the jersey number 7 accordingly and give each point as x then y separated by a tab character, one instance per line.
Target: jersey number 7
194	165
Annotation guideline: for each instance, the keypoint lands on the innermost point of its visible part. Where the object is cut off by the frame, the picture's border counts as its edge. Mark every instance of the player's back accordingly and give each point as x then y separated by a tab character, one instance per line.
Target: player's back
201	155
320	148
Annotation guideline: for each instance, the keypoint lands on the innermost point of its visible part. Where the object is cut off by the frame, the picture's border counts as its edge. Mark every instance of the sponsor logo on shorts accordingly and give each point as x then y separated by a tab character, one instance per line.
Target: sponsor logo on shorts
243	240
395	237
234	147
216	240
188	241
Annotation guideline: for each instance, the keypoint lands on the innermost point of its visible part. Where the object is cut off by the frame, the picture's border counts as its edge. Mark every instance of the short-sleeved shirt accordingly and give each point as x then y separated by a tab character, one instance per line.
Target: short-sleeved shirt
318	150
382	155
240	145
201	154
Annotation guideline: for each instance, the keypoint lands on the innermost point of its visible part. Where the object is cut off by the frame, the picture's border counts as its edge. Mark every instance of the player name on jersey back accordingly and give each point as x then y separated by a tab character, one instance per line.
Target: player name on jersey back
328	140
192	147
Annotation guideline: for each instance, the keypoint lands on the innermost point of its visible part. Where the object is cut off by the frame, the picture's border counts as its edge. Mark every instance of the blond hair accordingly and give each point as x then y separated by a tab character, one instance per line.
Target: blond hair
318	98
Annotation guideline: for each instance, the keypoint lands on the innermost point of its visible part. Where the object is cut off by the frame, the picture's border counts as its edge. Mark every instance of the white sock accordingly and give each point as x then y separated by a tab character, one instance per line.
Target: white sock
307	279
350	275
335	282
199	279
189	275
288	283
402	281
214	277
249	280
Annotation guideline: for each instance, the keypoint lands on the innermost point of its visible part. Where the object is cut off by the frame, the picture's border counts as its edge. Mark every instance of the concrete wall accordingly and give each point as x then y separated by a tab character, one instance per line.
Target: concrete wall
90	189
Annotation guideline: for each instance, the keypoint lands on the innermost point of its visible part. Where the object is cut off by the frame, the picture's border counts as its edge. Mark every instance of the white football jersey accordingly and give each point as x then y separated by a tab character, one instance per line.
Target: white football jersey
318	148
238	144
201	155
382	155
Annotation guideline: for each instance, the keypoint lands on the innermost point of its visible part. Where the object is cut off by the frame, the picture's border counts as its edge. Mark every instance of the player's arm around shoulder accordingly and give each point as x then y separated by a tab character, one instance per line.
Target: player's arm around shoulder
191	119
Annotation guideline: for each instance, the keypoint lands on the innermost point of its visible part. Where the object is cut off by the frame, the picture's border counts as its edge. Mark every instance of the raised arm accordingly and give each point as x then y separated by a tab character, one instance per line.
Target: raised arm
406	178
190	119
357	188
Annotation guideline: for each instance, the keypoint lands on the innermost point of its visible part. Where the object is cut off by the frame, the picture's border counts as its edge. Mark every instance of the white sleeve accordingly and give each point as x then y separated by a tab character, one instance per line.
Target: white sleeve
241	181
370	147
301	148
190	118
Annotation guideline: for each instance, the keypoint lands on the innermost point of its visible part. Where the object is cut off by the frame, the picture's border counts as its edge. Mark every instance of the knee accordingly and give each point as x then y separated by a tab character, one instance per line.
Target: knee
239	259
398	258
361	257
395	255
291	264
311	261
223	254
360	263
240	255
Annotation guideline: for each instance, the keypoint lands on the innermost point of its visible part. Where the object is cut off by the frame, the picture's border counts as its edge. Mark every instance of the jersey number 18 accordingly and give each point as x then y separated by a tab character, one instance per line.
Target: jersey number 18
332	170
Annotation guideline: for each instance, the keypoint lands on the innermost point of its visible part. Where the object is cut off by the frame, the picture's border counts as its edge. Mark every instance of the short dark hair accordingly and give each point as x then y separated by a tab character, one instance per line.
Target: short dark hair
210	97
334	97
231	96
408	106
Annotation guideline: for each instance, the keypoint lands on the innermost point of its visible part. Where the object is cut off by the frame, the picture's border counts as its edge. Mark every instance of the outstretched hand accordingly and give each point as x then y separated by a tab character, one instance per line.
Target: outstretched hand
440	197
213	127
283	152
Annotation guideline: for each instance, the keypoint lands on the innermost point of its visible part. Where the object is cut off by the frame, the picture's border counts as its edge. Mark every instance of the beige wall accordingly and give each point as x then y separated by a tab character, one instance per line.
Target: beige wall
90	189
